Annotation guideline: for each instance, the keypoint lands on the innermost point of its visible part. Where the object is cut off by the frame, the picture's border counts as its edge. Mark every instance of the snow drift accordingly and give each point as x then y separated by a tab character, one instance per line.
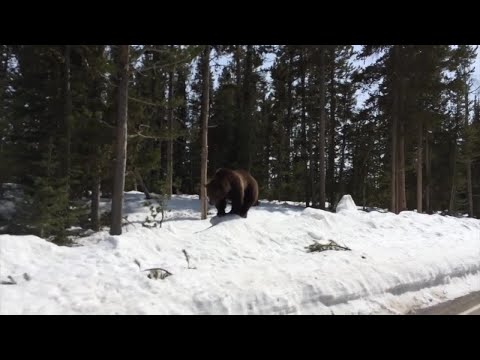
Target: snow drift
257	265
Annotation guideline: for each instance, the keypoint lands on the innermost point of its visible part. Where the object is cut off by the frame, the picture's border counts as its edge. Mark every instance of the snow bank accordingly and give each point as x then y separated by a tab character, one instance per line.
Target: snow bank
257	265
346	203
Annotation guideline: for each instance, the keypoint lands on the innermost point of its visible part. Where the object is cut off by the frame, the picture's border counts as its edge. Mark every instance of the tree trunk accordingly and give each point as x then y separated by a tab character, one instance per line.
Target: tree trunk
420	168
170	136
364	193
95	205
342	163
287	168
157	96
142	183
453	189
402	199
395	110
312	163
204	116
469	188
331	143
393	184
248	98
135	185
238	71
428	172
474	166
68	115
239	103
321	135
468	159
121	143
304	130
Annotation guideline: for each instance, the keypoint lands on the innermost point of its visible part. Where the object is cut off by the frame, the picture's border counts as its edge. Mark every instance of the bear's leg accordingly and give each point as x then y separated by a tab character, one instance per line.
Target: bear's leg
237	202
236	207
251	197
221	205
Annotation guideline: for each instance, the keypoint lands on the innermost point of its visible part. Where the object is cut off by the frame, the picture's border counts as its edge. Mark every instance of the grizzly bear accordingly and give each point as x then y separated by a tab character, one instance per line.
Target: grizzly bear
238	186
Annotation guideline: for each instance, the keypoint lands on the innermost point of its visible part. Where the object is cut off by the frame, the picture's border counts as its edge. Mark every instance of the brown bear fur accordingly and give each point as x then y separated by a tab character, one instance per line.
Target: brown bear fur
238	186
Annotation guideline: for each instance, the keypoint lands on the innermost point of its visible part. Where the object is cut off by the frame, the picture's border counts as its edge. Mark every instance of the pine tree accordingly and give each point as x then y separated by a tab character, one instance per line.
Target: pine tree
322	120
294	122
121	140
204	116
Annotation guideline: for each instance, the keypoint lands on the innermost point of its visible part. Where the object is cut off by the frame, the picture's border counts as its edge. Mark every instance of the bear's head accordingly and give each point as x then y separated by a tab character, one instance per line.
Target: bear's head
216	191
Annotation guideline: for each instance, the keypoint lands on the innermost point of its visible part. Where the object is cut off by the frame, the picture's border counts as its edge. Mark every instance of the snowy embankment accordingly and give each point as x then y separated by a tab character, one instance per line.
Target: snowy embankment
257	265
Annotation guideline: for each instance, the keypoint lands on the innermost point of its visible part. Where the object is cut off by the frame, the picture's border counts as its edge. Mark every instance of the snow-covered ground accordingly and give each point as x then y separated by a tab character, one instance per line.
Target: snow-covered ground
257	265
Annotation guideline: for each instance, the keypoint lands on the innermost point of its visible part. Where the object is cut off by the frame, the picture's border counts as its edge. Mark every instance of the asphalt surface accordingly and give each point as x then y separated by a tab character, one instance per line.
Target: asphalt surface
465	305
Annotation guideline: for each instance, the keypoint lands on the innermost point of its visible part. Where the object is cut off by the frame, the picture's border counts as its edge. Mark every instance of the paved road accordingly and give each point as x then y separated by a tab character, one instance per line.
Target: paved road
465	305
